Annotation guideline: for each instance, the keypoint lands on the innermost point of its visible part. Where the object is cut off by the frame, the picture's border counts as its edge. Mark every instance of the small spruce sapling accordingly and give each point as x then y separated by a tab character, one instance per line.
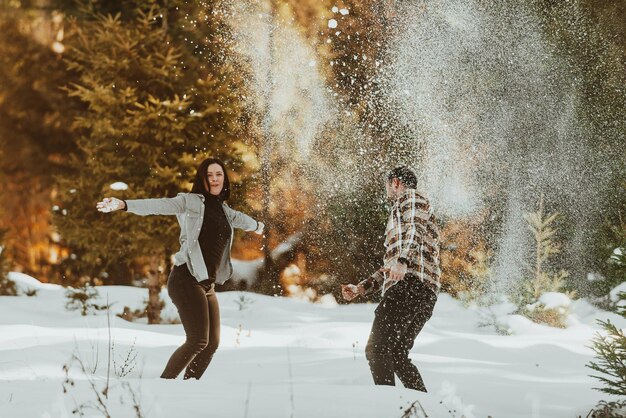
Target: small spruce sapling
528	294
244	301
82	299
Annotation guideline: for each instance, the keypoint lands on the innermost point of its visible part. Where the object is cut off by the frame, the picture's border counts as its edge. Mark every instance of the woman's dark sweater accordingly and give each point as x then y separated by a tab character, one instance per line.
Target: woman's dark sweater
214	235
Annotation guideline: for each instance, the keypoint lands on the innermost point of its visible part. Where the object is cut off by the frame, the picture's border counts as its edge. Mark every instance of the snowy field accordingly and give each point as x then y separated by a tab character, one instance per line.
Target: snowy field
288	358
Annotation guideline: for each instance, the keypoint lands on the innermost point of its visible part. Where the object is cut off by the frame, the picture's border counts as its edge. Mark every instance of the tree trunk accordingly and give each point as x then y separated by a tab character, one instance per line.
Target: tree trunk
156	278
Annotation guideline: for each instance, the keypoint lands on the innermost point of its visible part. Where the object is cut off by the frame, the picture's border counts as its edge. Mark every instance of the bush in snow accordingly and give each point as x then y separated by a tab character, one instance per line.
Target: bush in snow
31	292
529	293
605	409
7	286
82	299
136	315
490	318
132	315
244	301
610	361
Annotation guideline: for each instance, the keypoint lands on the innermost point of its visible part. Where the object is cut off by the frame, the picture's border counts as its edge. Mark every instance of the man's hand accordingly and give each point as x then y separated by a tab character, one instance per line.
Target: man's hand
350	291
110	204
397	271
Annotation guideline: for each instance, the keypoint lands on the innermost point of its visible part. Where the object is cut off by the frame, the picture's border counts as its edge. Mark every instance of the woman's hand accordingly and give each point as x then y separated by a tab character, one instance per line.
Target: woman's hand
259	229
110	204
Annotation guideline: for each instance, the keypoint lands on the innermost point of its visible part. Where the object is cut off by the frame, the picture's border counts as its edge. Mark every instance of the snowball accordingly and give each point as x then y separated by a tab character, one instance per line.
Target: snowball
553	300
332	23
335	9
119	186
344	11
58	47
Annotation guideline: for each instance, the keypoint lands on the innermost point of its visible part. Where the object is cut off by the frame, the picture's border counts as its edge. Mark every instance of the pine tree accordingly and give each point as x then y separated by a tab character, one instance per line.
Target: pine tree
542	280
151	114
613	253
82	299
611	359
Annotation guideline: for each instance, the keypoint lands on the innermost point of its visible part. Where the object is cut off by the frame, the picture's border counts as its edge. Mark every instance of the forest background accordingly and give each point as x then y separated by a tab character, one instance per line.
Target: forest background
94	93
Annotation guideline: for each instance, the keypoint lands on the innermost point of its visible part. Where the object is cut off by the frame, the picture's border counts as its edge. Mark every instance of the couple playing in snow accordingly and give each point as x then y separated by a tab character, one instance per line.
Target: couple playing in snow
408	281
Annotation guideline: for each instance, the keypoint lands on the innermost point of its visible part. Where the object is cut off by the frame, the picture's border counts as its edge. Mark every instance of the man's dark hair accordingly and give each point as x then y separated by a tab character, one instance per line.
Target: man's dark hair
200	182
405	175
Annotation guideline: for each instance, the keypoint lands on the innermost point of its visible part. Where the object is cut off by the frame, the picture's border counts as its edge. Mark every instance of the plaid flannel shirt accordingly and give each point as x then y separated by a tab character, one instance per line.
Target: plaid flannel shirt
411	233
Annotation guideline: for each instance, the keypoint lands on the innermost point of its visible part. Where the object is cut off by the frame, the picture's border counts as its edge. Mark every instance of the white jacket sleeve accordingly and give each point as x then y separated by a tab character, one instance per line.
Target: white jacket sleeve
241	220
164	206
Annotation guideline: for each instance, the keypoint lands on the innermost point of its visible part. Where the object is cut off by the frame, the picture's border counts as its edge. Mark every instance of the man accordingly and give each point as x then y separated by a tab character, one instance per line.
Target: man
409	283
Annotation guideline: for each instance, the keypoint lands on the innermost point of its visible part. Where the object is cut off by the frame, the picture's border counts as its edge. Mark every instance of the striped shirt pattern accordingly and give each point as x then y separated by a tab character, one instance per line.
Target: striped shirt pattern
411	233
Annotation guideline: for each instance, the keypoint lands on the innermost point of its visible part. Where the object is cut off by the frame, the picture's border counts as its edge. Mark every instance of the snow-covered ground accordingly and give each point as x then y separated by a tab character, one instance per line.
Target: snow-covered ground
289	358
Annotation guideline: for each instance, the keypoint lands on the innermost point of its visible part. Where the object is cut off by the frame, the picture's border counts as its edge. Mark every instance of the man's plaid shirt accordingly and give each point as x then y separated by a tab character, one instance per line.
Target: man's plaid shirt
411	233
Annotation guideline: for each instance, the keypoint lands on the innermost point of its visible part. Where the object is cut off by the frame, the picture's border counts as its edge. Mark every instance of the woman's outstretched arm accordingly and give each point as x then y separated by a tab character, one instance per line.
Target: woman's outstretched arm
242	221
164	206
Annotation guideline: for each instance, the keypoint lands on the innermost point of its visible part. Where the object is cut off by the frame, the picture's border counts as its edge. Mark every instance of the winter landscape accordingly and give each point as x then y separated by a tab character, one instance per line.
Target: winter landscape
290	358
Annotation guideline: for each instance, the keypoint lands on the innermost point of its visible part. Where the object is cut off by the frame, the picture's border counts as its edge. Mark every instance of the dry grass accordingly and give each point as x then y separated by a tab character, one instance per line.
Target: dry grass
553	317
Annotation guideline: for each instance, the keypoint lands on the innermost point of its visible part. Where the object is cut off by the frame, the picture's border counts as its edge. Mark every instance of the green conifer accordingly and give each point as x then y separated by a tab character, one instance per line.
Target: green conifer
542	280
610	359
152	111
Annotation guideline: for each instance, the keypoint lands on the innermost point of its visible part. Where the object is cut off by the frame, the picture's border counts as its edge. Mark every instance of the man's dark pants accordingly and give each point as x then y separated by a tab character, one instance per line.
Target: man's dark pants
400	316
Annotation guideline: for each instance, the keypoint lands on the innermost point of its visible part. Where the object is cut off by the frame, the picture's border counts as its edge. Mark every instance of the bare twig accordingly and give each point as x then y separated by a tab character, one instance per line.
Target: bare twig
135	398
413	412
129	362
95	356
101	406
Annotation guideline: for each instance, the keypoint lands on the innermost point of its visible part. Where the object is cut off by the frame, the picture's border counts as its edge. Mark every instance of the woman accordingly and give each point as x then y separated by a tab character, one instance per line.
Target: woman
206	237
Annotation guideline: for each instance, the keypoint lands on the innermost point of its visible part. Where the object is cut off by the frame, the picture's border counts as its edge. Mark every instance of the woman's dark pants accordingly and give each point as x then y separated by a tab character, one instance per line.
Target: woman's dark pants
400	316
200	314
